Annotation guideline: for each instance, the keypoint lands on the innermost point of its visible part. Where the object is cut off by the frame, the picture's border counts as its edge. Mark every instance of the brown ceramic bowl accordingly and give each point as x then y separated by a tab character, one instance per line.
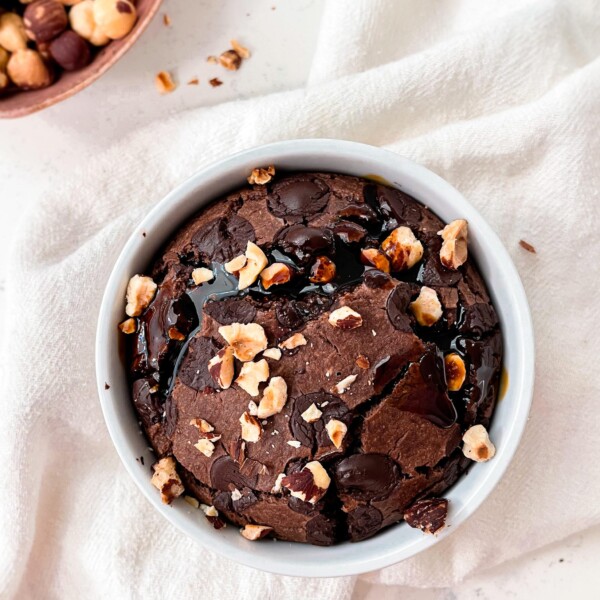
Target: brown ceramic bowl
19	104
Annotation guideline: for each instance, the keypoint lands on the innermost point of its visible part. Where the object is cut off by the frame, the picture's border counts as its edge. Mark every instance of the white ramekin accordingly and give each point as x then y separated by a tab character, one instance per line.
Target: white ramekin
395	543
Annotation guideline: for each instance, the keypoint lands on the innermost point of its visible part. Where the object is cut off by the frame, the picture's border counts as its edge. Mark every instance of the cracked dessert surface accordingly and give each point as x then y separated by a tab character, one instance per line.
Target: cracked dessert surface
369	424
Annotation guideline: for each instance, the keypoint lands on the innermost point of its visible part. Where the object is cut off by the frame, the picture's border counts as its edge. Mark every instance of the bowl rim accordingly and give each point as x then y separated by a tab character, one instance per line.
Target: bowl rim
522	343
127	43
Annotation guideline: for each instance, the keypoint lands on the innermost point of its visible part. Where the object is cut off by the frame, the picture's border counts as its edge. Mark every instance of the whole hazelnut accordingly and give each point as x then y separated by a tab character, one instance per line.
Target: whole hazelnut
82	20
44	20
27	70
4	81
115	18
12	32
70	51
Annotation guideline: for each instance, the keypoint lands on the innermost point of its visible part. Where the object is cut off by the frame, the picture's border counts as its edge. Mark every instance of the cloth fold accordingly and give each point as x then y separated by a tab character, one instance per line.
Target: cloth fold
502	101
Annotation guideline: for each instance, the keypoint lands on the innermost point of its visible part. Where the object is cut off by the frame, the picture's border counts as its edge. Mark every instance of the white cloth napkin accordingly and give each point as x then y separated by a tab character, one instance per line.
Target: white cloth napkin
503	100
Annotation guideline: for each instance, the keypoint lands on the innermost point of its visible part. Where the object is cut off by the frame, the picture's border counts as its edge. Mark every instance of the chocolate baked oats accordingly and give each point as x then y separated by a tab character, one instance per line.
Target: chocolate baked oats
313	358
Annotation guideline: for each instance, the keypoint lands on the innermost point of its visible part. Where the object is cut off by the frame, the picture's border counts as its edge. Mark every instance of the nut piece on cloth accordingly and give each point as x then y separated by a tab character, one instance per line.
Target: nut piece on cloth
274	398
166	480
428	515
477	444
140	292
402	248
246	339
255	532
310	484
454	252
221	367
427	307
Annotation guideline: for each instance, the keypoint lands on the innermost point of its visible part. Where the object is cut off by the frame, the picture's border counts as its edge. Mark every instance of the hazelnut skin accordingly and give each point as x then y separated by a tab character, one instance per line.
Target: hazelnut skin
27	70
44	20
70	51
81	17
12	32
115	18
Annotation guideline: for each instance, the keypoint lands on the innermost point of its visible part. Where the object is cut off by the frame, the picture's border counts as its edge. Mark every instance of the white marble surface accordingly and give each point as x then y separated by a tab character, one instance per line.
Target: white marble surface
39	150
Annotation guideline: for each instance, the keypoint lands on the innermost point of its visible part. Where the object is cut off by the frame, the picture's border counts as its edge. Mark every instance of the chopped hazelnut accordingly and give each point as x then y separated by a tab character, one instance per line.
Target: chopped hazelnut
272	353
454	247
140	292
246	339
255	532
455	371
275	274
323	270
294	443
193	502
205	446
209	510
427	308
276	489
235	265
202	275
477	444
252	375
336	430
231	60
402	248
167	480
375	258
345	318
251	430
221	368
202	425
175	334
311	414
256	261
274	398
344	384
309	484
261	176
362	362
252	408
128	325
164	82
294	341
527	246
241	50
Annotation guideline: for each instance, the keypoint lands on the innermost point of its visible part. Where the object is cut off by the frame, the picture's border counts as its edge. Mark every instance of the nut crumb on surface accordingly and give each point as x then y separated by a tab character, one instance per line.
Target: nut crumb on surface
261	176
477	444
311	414
344	384
527	246
193	502
215	82
194	81
231	60
164	82
166	20
255	532
242	51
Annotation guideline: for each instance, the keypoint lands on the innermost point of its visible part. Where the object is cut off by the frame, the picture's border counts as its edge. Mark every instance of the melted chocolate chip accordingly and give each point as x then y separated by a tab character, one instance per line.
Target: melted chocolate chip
376	279
397	306
222	239
349	232
305	243
149	404
368	475
193	370
225	473
299	198
397	207
231	310
361	213
322	530
363	522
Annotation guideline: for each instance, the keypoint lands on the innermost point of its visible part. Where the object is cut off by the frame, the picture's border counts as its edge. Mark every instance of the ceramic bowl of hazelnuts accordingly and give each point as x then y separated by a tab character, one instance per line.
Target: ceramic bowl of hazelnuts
51	49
